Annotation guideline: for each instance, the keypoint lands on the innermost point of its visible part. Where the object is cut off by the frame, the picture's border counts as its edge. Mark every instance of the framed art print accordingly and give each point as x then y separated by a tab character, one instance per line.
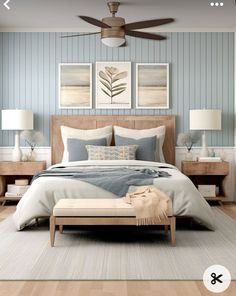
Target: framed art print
113	85
152	86
75	86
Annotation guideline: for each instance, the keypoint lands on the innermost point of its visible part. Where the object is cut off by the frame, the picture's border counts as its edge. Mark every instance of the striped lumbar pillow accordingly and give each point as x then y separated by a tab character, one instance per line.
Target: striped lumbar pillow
112	152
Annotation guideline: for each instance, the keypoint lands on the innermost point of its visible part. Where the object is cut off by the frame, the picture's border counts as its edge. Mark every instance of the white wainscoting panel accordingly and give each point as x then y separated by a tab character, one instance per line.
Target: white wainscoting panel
44	153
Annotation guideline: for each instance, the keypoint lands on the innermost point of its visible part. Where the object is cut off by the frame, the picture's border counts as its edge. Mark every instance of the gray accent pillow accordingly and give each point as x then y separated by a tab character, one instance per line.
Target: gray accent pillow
146	146
77	148
137	134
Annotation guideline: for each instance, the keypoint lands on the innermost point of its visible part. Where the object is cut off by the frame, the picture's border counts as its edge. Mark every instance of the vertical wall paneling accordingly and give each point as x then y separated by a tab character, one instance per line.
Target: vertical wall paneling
5	78
10	80
180	94
201	75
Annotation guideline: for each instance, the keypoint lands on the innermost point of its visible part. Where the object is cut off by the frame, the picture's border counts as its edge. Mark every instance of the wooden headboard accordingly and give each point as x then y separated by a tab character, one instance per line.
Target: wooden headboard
93	122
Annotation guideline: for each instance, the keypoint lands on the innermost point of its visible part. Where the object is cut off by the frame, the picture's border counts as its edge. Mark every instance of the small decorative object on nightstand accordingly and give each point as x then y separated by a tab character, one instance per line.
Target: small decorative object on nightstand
32	138
11	171
208	173
188	140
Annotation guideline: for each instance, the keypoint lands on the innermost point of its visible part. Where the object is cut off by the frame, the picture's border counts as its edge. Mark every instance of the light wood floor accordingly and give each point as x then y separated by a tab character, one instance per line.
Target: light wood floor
108	288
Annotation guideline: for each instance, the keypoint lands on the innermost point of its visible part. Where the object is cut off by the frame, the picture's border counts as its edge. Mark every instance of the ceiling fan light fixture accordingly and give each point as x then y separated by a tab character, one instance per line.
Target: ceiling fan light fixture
114	36
113	41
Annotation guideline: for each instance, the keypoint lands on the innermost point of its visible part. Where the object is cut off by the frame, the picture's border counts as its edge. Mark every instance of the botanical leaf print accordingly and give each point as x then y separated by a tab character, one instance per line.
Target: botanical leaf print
119	85
119	92
119	76
112	70
110	79
103	76
105	84
105	92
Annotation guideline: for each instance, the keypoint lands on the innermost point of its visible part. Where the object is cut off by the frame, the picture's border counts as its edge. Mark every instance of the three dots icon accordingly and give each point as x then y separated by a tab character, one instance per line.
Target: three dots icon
217	4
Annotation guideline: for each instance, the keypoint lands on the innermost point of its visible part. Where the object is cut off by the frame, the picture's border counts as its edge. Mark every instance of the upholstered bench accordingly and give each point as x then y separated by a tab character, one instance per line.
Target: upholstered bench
99	212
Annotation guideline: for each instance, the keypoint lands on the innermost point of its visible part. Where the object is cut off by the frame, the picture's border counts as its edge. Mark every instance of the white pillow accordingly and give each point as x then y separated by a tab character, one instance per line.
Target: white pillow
136	134
74	133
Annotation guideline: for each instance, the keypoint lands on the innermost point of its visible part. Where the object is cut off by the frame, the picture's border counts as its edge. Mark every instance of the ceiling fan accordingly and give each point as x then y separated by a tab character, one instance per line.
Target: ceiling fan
114	29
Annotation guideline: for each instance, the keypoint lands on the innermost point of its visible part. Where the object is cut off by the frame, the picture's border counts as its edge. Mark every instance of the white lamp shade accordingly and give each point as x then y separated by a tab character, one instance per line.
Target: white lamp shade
113	41
205	119
17	120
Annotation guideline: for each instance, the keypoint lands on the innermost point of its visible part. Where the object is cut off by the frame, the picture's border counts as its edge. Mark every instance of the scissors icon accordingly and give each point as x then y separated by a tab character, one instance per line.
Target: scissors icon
216	278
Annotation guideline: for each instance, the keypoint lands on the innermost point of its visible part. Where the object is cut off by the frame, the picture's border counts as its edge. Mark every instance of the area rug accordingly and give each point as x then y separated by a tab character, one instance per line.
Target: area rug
115	253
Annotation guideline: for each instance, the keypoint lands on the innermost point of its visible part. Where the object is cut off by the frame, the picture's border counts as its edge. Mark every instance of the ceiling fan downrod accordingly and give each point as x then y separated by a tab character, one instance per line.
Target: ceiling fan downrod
113	7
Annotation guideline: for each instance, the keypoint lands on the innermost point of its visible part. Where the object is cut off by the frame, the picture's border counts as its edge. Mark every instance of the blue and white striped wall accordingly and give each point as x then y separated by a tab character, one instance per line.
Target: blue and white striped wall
201	75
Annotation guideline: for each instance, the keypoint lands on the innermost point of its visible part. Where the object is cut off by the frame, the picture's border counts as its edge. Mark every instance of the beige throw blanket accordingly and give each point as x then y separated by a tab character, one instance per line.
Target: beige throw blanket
151	204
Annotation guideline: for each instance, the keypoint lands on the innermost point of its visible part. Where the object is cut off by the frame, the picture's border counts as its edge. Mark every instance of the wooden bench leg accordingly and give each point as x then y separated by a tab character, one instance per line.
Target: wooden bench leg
52	230
61	228
172	230
166	229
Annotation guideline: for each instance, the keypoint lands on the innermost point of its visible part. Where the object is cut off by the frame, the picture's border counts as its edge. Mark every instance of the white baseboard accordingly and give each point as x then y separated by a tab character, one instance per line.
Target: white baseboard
44	153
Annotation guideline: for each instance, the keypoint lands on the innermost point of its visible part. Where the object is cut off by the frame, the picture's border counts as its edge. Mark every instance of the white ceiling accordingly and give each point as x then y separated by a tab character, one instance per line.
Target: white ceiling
60	15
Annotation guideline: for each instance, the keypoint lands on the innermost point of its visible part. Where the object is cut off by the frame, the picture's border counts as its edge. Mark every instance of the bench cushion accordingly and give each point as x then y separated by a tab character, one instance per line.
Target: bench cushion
94	207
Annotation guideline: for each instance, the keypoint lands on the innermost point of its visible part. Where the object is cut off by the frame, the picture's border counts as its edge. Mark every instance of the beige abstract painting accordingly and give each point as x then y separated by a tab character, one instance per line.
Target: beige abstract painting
75	89
152	86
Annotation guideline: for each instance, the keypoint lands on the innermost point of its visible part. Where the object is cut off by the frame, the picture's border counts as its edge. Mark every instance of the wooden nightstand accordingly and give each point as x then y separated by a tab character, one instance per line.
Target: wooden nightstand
208	173
10	171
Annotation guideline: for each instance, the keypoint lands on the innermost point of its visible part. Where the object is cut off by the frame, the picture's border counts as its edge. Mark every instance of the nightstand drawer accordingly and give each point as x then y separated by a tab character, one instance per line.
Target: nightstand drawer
10	168
205	168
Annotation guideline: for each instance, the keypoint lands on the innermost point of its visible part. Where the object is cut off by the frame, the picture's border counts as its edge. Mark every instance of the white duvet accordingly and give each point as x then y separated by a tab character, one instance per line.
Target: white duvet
45	192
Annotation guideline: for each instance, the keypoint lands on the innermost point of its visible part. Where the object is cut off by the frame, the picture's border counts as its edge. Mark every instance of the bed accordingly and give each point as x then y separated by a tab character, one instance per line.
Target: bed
45	192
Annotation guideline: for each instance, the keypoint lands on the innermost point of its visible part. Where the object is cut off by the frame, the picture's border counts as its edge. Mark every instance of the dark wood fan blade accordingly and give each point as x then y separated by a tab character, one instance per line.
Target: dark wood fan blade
144	35
93	21
77	35
148	24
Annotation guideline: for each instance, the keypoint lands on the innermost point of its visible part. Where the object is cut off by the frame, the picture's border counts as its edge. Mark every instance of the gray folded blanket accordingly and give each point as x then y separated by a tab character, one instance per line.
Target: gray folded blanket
116	180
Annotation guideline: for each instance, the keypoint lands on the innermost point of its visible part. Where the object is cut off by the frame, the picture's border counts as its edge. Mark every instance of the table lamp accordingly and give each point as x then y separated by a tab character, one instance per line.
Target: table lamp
17	120
205	119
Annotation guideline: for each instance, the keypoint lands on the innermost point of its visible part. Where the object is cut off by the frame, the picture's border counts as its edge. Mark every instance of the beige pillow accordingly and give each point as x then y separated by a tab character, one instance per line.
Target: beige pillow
74	133
111	153
136	134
